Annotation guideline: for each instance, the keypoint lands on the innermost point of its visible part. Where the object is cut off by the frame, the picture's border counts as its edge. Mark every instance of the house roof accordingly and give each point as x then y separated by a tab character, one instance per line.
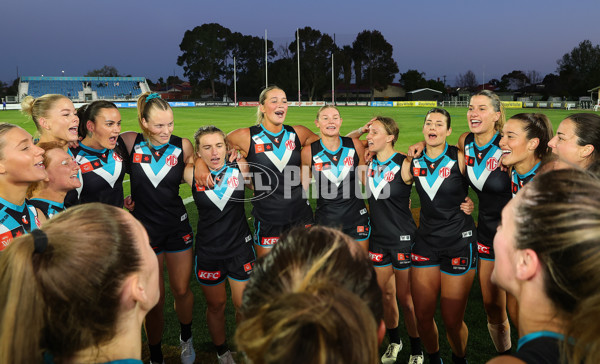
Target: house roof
423	89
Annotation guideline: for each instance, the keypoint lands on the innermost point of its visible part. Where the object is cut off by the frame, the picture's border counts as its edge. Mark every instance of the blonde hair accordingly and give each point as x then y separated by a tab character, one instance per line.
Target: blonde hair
497	105
325	108
37	108
65	298
145	107
4	128
260	116
311	291
46	146
204	130
558	218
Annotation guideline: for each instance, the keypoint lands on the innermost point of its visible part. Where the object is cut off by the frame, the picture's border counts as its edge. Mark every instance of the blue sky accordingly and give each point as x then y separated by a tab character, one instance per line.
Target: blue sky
437	37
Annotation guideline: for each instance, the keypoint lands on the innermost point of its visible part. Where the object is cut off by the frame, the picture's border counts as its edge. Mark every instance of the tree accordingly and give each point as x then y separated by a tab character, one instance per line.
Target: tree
534	77
249	53
516	80
373	62
203	54
579	70
467	80
413	80
105	71
315	60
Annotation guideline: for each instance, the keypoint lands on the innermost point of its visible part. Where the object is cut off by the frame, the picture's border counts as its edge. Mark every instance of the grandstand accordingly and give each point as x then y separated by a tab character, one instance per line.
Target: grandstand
84	89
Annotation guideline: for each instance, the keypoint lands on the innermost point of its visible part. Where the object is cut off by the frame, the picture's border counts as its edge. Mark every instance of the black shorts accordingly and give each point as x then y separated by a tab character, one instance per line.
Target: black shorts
486	252
213	271
172	240
456	261
399	258
266	235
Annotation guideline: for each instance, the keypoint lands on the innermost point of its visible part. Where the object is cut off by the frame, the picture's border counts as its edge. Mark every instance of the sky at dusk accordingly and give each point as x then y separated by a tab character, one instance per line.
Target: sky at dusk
438	37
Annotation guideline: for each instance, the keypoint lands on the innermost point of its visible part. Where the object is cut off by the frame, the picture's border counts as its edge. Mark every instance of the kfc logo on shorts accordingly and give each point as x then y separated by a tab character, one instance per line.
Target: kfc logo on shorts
389	176
187	239
459	261
209	276
269	240
482	249
376	257
444	172
248	267
418	258
171	161
491	164
290	145
233	182
348	161
117	157
362	229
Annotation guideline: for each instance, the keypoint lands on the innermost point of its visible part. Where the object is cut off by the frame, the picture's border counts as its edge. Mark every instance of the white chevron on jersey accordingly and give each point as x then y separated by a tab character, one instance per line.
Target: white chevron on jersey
377	190
156	178
279	163
221	202
432	190
108	177
479	182
343	173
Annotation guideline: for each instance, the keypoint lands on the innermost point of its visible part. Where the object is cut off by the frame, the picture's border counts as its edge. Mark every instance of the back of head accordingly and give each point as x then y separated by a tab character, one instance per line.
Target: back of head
559	218
306	263
64	296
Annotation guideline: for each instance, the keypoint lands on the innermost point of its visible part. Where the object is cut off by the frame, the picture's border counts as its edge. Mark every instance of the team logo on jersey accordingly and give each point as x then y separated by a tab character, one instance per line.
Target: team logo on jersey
171	161
377	183
154	169
491	164
24	219
444	172
419	172
418	258
389	176
233	182
469	161
290	145
375	257
330	172
90	166
261	148
117	157
335	158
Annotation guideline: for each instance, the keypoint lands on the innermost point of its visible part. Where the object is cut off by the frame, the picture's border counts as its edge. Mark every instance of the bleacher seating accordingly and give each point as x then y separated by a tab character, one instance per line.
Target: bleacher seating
110	88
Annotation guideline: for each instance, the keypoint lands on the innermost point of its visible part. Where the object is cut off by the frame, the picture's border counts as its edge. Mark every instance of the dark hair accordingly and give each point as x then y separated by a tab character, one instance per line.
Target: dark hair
558	217
587	130
306	263
90	112
537	126
67	297
437	110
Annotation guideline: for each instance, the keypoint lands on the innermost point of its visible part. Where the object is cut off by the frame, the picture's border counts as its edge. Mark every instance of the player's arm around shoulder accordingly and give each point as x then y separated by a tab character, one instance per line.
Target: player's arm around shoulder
129	139
406	171
306	167
360	150
305	135
239	140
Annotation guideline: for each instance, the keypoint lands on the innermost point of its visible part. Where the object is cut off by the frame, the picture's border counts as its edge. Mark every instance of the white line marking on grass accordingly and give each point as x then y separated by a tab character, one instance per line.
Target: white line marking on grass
188	200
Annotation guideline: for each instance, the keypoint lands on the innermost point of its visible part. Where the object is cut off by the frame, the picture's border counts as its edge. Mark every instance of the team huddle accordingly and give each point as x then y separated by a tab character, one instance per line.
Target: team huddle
66	189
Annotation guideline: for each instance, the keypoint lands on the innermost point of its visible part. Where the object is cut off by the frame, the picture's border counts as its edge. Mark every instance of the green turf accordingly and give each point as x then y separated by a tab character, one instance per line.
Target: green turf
410	120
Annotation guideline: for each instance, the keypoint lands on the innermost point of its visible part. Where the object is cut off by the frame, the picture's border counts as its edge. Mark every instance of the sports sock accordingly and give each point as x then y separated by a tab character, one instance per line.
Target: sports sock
459	360
434	358
415	346
186	331
394	335
222	349
156	354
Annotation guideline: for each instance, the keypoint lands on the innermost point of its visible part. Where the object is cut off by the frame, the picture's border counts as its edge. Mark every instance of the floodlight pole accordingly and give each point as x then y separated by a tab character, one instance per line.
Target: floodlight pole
332	82
266	63
298	55
234	83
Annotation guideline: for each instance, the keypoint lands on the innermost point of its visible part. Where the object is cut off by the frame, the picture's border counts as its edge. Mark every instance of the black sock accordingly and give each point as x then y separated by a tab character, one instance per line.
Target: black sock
415	346
156	354
222	349
394	335
458	360
434	358
186	331
507	352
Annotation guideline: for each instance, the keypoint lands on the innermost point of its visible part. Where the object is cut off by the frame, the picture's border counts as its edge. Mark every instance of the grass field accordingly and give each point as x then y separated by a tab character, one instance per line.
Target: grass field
187	120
